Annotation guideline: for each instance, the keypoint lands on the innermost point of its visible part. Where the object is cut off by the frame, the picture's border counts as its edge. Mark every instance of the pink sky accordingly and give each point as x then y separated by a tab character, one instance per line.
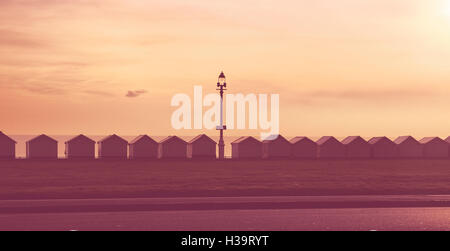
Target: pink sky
348	67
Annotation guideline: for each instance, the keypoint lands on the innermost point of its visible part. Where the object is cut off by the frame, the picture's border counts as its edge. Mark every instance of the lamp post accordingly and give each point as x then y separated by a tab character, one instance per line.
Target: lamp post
221	86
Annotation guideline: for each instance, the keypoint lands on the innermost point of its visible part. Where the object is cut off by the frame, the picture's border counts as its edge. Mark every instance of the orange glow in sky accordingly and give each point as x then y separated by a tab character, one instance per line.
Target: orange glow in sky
347	67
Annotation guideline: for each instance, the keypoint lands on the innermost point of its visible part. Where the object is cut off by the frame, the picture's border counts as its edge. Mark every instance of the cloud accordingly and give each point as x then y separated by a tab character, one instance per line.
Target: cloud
63	82
386	96
20	62
40	3
99	93
371	94
45	90
12	38
134	94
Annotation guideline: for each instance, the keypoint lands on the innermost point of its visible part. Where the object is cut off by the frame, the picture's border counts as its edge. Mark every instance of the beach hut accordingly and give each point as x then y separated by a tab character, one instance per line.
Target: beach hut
112	147
356	148
330	148
383	148
172	147
303	148
434	147
80	147
42	147
276	147
202	147
7	147
143	147
246	148
408	147
448	141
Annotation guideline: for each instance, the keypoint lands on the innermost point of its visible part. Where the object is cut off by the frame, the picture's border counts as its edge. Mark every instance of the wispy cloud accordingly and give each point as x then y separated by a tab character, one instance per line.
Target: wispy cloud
369	96
134	94
10	38
44	2
99	93
46	90
63	82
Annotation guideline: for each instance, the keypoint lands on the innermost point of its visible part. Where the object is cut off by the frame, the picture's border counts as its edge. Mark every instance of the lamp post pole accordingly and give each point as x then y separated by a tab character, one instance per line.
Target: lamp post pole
221	87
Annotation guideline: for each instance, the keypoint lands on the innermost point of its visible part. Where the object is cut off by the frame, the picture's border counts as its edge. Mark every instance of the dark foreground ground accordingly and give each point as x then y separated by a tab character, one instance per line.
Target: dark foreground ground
365	219
64	179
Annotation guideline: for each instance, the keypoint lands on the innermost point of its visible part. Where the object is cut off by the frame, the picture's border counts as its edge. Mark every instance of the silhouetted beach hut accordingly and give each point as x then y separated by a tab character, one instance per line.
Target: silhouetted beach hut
303	148
408	147
330	148
172	147
448	141
143	147
7	147
112	147
246	148
276	147
80	147
435	147
42	147
383	148
356	148
202	147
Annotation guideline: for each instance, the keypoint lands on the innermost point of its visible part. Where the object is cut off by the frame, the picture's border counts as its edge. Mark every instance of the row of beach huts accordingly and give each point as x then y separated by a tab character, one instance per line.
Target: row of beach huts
203	147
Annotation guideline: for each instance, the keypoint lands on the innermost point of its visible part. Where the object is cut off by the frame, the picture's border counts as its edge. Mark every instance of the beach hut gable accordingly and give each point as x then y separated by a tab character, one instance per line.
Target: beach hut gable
7	147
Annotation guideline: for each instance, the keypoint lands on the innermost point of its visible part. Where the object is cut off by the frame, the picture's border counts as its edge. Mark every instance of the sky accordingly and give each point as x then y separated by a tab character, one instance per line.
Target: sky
347	67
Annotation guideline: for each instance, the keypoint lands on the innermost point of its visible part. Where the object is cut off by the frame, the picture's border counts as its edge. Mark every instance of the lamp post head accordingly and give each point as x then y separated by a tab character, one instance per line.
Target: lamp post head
222	80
